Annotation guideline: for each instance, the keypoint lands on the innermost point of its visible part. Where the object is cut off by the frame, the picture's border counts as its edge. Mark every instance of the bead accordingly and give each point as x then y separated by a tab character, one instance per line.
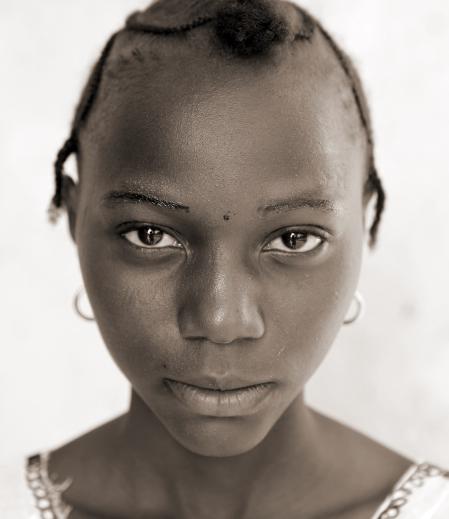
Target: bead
399	497
43	503
399	502
390	513
47	493
401	493
408	486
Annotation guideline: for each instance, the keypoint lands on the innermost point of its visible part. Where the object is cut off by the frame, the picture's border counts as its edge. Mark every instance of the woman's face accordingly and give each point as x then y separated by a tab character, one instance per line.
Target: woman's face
219	224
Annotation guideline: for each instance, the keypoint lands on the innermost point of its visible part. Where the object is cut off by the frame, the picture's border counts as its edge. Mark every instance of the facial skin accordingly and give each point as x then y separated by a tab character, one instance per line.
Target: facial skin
224	296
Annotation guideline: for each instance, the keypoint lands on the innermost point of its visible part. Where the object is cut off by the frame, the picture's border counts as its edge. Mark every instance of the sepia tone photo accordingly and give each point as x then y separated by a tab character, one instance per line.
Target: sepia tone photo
224	259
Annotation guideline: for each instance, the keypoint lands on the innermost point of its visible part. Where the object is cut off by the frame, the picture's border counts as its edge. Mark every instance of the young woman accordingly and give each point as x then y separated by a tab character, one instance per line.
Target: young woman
226	164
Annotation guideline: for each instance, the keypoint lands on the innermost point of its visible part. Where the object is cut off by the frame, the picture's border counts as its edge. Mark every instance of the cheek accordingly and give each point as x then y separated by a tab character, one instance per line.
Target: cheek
307	308
134	306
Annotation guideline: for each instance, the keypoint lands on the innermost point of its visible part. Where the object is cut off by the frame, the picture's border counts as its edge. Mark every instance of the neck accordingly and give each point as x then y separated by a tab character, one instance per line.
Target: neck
249	480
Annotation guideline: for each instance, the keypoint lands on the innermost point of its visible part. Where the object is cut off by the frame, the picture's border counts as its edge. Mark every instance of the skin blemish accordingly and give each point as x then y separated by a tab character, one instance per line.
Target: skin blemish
281	351
227	216
138	55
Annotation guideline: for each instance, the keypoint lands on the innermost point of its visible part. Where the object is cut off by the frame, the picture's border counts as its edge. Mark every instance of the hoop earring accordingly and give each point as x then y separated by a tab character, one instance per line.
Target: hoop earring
77	305
360	309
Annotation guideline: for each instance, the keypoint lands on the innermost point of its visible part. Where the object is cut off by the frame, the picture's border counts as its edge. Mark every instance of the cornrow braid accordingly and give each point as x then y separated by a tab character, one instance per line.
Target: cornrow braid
93	85
233	12
71	144
88	98
374	183
347	70
244	28
133	25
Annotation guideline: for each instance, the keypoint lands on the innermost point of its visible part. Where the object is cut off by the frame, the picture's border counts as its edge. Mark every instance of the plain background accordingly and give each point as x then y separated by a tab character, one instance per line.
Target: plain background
387	375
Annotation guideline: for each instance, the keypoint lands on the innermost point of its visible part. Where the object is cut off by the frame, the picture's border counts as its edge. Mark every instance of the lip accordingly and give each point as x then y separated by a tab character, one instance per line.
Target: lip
215	401
223	383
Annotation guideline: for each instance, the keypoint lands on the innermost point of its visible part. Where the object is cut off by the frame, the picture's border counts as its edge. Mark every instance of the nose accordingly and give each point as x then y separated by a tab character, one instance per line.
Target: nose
219	302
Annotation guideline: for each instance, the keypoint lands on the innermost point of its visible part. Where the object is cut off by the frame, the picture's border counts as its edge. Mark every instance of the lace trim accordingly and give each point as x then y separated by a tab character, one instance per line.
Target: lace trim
414	478
47	494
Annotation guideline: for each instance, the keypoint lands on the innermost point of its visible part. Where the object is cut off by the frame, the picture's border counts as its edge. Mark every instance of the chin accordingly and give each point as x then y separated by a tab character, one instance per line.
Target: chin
219	437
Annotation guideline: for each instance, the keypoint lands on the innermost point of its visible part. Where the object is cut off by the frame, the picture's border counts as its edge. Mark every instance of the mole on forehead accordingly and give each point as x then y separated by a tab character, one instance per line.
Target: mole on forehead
132	194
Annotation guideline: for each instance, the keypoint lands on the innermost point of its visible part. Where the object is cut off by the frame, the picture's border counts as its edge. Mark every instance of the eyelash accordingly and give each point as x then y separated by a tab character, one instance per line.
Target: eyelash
320	234
135	227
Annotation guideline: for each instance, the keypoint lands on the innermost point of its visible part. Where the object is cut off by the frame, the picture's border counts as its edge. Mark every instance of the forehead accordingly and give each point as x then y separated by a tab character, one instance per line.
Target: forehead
289	123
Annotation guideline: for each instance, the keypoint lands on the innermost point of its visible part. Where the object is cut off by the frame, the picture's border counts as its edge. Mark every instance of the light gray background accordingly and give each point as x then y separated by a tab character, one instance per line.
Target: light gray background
387	375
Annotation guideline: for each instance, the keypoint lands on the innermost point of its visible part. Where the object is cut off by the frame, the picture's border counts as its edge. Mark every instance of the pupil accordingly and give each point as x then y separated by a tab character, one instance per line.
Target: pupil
294	239
150	235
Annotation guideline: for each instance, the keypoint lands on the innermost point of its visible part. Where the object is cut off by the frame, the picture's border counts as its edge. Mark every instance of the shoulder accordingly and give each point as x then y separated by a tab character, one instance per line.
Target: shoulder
413	489
27	490
16	499
423	491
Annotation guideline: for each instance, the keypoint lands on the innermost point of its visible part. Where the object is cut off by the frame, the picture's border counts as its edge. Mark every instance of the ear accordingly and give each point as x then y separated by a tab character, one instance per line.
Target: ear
70	197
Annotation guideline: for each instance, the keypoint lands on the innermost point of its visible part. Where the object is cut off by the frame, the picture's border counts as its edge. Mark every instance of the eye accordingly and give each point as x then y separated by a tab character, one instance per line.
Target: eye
296	241
150	237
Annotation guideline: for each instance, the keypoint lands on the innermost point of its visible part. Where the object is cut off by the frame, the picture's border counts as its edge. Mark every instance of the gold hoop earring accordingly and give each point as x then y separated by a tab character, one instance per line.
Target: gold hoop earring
359	302
77	305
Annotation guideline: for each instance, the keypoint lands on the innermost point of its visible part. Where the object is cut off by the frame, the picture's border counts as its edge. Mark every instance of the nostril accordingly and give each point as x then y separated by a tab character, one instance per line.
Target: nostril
224	340
222	331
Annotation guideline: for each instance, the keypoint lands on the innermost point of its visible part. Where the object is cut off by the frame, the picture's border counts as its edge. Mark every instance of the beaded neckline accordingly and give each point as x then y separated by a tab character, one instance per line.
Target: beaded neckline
47	493
49	502
414	478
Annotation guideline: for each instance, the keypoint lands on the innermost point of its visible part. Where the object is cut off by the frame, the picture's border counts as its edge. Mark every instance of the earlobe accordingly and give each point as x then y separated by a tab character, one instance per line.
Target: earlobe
70	197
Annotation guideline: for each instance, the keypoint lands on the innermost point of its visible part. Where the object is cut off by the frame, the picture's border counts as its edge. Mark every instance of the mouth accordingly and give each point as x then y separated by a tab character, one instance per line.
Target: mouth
218	401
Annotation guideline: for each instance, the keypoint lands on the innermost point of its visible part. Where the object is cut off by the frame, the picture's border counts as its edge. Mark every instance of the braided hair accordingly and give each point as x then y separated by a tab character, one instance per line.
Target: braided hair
243	29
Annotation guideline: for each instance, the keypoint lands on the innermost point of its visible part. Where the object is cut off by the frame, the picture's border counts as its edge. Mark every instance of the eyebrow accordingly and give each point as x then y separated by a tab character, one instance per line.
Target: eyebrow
137	198
114	197
328	206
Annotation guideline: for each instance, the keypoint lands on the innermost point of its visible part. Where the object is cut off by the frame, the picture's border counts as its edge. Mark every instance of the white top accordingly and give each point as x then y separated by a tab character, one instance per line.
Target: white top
28	492
421	493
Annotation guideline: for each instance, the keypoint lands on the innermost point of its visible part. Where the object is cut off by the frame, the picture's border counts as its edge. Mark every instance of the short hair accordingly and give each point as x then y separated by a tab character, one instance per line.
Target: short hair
243	29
